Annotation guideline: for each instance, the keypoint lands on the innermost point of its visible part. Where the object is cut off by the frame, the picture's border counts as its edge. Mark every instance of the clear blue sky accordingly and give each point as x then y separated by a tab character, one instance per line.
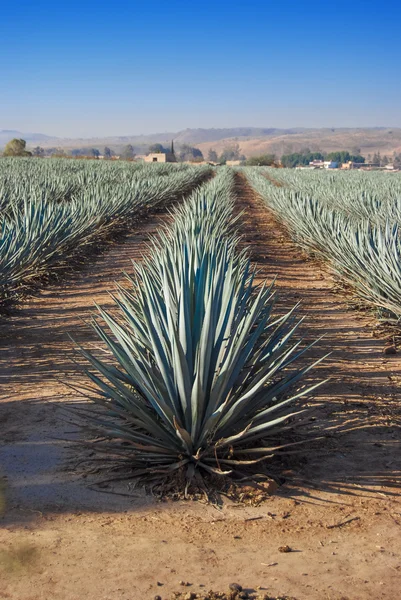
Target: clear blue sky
102	68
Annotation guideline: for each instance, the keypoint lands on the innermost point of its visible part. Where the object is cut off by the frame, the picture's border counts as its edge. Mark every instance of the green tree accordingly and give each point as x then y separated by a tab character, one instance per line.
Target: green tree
51	151
357	158
78	152
107	152
190	153
128	152
340	156
266	160
157	149
212	155
38	151
88	152
16	147
230	153
299	158
343	156
397	160
59	153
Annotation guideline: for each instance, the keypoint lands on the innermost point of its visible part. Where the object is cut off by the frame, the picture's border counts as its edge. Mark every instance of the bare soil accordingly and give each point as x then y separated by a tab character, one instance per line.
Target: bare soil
332	531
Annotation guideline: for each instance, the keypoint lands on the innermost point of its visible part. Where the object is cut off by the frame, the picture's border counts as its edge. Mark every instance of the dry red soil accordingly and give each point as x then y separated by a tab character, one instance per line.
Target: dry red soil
339	510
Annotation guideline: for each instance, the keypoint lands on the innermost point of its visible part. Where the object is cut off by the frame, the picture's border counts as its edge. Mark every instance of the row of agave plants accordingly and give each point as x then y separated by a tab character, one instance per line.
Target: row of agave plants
201	377
48	214
358	233
374	196
59	180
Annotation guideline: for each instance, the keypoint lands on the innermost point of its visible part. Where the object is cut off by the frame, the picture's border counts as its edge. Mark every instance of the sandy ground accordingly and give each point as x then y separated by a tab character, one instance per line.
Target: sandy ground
339	511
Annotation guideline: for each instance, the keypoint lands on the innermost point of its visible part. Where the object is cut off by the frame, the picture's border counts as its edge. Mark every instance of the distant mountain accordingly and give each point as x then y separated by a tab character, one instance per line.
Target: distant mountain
187	136
33	138
367	141
198	136
251	140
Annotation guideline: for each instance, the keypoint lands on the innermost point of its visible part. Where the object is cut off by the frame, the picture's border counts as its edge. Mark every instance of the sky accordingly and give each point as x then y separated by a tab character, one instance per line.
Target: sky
83	69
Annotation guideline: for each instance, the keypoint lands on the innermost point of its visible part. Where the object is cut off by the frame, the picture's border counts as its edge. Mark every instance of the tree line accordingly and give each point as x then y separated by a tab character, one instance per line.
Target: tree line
17	147
296	159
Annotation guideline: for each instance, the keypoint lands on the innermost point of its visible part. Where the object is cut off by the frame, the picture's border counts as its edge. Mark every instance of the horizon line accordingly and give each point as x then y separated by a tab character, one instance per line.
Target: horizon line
100	136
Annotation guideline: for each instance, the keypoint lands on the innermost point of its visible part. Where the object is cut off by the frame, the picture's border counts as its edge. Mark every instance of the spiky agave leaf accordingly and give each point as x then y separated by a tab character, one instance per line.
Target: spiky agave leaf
202	366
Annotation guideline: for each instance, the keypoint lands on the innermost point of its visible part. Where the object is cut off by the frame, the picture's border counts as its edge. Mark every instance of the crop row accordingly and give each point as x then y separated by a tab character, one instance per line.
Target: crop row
60	180
342	221
361	195
51	209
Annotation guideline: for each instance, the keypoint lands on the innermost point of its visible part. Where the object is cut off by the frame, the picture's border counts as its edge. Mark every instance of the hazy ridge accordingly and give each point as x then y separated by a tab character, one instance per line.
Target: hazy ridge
251	140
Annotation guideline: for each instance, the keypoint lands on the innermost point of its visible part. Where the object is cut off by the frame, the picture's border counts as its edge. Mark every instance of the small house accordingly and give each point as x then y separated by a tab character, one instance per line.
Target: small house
161	157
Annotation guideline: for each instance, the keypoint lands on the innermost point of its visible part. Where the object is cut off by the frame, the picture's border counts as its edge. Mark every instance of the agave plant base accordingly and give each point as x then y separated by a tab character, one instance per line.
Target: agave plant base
107	467
250	484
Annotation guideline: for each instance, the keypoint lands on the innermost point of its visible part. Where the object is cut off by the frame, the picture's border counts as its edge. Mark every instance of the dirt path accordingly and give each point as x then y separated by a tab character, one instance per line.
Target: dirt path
61	540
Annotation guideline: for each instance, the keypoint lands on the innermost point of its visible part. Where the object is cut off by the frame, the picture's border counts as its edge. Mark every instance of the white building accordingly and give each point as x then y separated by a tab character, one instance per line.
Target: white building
323	164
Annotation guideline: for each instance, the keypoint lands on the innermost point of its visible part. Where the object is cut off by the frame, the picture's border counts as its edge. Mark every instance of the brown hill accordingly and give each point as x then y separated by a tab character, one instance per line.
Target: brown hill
367	141
251	140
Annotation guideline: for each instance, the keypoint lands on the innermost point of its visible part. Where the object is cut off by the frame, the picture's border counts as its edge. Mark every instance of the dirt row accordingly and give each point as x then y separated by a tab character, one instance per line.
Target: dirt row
339	512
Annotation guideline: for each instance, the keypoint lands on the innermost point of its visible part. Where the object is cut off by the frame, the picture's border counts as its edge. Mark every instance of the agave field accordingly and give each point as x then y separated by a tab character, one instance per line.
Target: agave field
196	377
200	376
352	220
49	210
